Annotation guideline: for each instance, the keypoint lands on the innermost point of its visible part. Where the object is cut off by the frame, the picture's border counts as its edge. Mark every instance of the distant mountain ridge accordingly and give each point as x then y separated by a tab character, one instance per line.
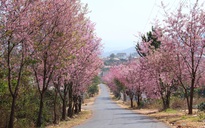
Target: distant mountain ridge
128	51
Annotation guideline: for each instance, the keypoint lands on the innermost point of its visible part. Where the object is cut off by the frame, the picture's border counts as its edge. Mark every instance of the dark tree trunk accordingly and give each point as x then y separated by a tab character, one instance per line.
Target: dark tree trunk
54	109
80	103
165	94
124	96
193	76
39	120
164	104
70	111
166	101
138	100
190	107
14	93
64	110
131	99
11	120
75	104
70	104
64	100
188	101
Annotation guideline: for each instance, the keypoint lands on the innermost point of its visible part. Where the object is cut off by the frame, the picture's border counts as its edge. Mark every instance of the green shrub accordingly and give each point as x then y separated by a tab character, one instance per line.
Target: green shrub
201	116
27	107
201	106
5	103
93	89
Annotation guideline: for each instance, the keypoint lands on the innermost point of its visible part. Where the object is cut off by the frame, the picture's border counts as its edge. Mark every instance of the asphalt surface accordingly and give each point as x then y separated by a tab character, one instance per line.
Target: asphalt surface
107	114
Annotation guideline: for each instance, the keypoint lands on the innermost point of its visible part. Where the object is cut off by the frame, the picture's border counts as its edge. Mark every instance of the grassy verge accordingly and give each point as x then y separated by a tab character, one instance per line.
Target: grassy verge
174	118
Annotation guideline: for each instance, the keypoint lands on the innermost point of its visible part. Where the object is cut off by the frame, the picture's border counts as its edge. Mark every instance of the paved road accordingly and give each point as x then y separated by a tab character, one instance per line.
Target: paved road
107	114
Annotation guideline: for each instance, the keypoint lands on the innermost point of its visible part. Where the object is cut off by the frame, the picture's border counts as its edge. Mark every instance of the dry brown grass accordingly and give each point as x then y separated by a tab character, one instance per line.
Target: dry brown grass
176	119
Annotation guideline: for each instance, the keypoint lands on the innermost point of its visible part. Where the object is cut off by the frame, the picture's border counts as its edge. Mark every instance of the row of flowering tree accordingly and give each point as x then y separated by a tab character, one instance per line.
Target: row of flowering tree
172	57
126	78
54	41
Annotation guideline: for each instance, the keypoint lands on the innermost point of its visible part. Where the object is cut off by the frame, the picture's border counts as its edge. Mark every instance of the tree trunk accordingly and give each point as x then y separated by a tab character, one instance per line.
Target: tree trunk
9	80
131	101
75	99
54	109
193	76
70	112
188	101
167	102
138	101
64	102
64	110
124	96
190	108
164	103
70	104
11	120
39	120
80	103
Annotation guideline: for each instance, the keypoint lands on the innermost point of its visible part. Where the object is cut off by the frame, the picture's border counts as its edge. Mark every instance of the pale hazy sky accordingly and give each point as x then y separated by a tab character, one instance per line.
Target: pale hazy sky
118	21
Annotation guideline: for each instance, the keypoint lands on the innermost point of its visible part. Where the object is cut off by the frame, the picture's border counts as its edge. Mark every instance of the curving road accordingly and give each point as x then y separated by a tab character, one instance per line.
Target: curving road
108	114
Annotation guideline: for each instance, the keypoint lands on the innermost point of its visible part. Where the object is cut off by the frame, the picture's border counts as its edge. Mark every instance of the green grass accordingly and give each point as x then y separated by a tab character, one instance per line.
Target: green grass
200	117
169	110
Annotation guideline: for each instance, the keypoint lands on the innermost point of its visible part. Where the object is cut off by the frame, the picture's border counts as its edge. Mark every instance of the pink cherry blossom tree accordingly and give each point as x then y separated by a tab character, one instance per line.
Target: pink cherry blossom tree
160	81
135	80
179	60
122	78
83	69
16	30
186	32
57	31
111	80
77	71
